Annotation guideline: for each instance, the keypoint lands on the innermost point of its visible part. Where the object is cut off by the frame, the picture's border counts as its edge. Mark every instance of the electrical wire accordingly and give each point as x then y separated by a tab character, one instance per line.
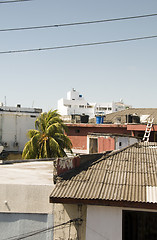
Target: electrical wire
30	234
77	23
78	45
15	1
102	236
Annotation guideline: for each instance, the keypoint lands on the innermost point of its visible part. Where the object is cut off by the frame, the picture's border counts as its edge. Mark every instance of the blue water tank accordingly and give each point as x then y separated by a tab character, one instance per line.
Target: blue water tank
99	119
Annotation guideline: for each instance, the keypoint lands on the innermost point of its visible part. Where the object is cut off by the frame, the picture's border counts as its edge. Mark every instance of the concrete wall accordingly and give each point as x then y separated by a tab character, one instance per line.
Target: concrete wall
103	223
21	225
24	199
78	134
65	212
106	144
110	143
122	142
13	129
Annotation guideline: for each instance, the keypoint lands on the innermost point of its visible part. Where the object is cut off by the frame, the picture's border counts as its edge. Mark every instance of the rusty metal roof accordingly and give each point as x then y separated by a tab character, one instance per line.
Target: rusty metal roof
129	174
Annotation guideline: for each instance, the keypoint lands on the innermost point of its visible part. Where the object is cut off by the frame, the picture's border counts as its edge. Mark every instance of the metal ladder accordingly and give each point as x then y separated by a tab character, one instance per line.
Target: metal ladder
148	130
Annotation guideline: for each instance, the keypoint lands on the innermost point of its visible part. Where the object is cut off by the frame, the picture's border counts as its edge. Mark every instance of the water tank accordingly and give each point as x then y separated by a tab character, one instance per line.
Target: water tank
99	119
129	118
135	119
84	118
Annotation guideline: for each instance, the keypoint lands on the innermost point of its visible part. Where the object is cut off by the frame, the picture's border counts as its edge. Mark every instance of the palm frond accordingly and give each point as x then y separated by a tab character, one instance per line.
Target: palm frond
54	148
32	132
53	128
48	140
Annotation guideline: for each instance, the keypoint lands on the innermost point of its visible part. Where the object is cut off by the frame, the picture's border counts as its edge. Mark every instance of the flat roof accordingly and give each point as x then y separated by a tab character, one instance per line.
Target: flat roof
30	173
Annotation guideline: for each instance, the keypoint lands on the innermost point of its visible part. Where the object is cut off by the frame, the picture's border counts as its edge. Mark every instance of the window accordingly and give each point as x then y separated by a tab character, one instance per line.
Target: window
81	106
120	144
102	108
93	145
66	105
139	225
109	108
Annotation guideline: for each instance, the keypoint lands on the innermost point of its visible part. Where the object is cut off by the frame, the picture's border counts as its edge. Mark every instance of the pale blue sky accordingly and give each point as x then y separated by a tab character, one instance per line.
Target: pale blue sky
101	73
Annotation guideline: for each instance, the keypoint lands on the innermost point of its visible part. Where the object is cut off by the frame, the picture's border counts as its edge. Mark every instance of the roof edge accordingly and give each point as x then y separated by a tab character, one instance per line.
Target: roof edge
102	202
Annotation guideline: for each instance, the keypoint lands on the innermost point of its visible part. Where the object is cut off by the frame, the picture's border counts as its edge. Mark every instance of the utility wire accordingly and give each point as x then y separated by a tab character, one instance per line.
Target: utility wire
102	236
77	23
77	45
15	1
30	234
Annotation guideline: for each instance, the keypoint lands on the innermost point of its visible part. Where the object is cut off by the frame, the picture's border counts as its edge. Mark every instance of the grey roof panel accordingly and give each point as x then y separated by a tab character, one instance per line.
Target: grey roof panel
121	176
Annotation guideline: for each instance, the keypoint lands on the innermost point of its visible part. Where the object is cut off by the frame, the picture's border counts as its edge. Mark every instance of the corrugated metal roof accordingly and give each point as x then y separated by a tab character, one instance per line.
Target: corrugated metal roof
126	175
151	112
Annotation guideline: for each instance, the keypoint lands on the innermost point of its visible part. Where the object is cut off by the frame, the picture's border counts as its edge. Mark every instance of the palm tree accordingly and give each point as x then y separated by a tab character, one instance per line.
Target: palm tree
48	139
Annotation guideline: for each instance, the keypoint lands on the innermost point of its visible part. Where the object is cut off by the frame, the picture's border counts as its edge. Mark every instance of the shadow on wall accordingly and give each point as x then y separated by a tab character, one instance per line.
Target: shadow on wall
75	215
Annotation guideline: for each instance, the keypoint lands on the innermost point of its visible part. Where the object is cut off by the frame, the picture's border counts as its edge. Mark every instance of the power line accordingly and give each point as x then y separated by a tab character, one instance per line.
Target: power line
102	236
15	1
76	23
30	234
77	45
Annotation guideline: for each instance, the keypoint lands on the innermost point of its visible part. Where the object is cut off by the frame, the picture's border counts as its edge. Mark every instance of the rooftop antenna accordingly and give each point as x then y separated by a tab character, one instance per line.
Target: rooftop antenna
5	101
33	104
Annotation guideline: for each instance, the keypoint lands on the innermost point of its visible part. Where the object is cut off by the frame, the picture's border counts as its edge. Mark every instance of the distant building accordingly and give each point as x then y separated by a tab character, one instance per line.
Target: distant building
101	142
131	122
75	104
14	125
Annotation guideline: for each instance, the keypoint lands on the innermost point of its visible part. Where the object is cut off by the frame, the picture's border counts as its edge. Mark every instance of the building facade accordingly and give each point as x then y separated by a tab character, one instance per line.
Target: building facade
21	186
75	104
14	125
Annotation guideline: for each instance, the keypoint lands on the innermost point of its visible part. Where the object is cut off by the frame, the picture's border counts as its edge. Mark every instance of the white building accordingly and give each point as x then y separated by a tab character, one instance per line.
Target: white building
75	104
22	215
14	124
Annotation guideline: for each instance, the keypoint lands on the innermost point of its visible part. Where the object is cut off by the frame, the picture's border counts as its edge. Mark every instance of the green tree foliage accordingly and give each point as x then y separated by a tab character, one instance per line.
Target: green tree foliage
48	139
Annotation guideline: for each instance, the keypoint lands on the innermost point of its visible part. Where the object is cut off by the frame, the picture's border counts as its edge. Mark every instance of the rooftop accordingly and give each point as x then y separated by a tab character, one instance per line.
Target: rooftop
147	112
29	173
126	177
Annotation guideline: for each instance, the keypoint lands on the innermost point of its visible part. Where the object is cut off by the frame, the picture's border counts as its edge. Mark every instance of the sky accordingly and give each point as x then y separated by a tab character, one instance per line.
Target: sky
101	73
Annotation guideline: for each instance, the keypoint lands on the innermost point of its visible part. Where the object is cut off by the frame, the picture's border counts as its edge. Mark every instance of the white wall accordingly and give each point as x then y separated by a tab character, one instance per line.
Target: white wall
103	223
125	142
14	128
24	199
71	106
